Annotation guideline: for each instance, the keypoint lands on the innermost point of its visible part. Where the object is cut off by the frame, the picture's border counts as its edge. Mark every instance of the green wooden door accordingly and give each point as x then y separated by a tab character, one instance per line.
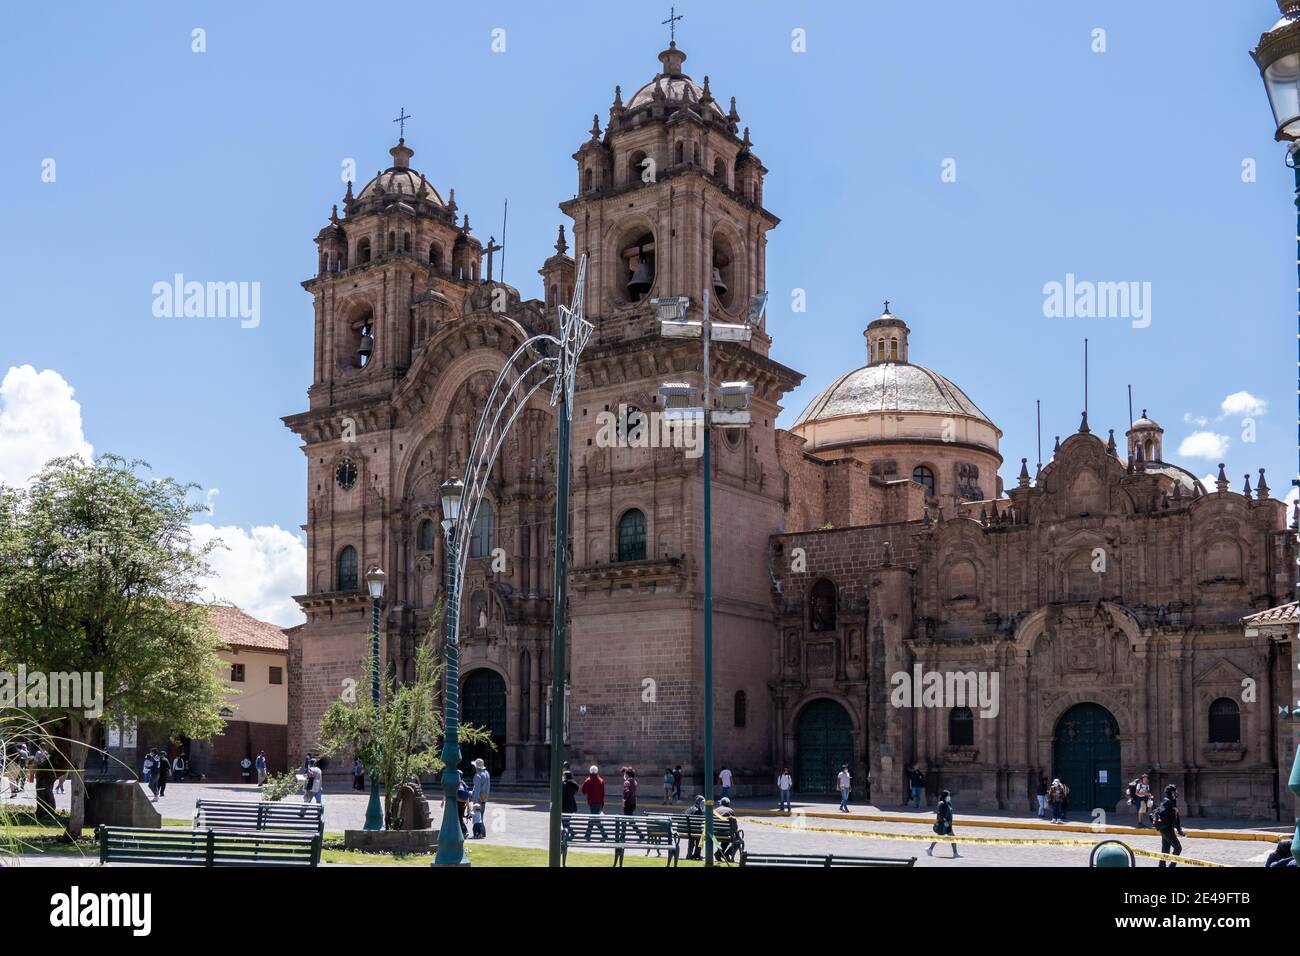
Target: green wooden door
483	704
1086	756
825	734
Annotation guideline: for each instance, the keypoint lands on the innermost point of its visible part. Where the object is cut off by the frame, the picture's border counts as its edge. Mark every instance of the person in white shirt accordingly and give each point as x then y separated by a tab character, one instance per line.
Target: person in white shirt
845	782
783	786
725	777
315	783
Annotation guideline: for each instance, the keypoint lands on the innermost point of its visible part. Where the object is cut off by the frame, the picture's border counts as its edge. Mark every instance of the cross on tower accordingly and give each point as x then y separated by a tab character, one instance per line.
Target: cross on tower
490	248
401	120
671	23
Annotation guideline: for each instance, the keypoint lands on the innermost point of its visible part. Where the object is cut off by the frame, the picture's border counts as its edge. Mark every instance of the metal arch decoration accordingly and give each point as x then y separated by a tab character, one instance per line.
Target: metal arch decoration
538	360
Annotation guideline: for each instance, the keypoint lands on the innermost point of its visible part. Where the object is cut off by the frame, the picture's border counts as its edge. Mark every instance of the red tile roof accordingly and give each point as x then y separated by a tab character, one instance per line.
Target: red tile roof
237	629
1282	614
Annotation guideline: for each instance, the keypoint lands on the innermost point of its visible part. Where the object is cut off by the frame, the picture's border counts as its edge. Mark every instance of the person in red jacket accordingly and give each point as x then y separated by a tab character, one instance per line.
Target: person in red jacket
593	788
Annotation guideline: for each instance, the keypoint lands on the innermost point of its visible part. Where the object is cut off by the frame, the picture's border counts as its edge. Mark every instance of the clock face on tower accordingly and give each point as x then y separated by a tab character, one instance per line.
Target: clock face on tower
346	474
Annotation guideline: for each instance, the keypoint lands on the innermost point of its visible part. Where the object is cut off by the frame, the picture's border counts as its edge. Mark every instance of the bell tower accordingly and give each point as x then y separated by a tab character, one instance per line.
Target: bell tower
670	198
669	202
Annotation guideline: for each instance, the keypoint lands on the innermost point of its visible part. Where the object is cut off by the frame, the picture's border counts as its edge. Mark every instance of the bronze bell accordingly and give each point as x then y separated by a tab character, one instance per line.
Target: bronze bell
719	286
366	347
641	279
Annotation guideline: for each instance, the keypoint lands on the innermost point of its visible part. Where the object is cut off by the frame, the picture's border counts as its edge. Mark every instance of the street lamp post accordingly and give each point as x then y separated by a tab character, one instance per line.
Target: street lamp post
735	398
1278	59
375	584
451	842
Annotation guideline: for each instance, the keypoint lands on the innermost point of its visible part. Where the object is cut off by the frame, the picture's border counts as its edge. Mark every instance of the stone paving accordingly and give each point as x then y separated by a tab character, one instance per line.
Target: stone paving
522	821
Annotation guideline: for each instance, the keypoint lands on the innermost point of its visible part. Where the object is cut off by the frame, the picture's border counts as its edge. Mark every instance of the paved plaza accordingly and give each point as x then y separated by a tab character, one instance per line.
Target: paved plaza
521	820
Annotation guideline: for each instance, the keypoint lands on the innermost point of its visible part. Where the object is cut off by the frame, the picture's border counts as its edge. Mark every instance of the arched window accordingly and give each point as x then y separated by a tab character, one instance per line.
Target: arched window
925	478
631	536
893	350
634	170
739	706
406	242
424	536
1148	450
480	542
587	180
347	570
720	170
961	727
1225	721
363	250
681	148
435	256
821	606
392	241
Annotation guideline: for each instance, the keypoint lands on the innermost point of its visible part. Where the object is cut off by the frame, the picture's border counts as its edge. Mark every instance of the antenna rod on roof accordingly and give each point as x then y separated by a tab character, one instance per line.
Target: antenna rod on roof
1038	404
1130	408
505	213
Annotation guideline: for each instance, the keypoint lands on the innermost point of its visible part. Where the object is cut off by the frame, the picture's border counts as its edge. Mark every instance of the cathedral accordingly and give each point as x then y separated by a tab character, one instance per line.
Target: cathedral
1109	614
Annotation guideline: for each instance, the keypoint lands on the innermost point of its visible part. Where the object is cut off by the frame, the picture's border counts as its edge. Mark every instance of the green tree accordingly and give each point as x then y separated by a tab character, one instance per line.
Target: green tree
409	739
98	576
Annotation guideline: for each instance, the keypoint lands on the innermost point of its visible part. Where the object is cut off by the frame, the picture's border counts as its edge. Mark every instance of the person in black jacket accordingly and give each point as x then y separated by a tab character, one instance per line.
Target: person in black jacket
569	796
943	822
1281	855
1168	820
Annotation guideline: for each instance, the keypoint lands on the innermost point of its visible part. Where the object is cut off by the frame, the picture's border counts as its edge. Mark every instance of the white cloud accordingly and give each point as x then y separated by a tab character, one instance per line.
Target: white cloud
1204	445
257	570
210	501
1199	420
1290	499
1207	481
39	420
1243	403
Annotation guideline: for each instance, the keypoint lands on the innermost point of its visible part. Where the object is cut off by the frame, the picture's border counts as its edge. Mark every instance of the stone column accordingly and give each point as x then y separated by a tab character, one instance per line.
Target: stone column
1141	755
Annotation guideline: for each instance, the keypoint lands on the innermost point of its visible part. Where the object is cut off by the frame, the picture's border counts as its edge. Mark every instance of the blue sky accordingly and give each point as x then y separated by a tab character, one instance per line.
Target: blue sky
1123	165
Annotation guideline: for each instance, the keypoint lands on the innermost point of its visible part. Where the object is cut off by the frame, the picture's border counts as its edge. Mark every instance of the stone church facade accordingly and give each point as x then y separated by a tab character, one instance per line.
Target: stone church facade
872	536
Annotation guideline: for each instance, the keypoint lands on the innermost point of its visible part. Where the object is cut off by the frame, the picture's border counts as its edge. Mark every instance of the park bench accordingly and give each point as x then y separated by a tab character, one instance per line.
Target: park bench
690	826
208	848
819	859
621	833
282	817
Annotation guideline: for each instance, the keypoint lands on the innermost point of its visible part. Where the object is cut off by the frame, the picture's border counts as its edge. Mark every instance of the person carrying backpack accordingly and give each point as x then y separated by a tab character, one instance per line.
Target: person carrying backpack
1142	800
1168	821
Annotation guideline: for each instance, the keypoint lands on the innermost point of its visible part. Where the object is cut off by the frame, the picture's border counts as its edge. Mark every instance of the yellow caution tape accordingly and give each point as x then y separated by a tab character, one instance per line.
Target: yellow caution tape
978	841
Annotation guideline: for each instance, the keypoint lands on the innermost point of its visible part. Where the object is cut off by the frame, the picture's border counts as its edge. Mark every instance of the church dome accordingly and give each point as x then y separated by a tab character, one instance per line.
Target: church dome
400	180
891	399
674	85
890	387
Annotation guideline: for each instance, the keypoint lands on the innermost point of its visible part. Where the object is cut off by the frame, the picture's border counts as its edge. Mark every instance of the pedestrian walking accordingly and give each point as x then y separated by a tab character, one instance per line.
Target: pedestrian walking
916	780
358	774
629	791
162	772
725	776
1169	821
148	768
1058	795
1043	786
315	783
943	822
481	787
844	780
1142	800
593	788
677	782
668	786
179	767
784	784
569	793
261	767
